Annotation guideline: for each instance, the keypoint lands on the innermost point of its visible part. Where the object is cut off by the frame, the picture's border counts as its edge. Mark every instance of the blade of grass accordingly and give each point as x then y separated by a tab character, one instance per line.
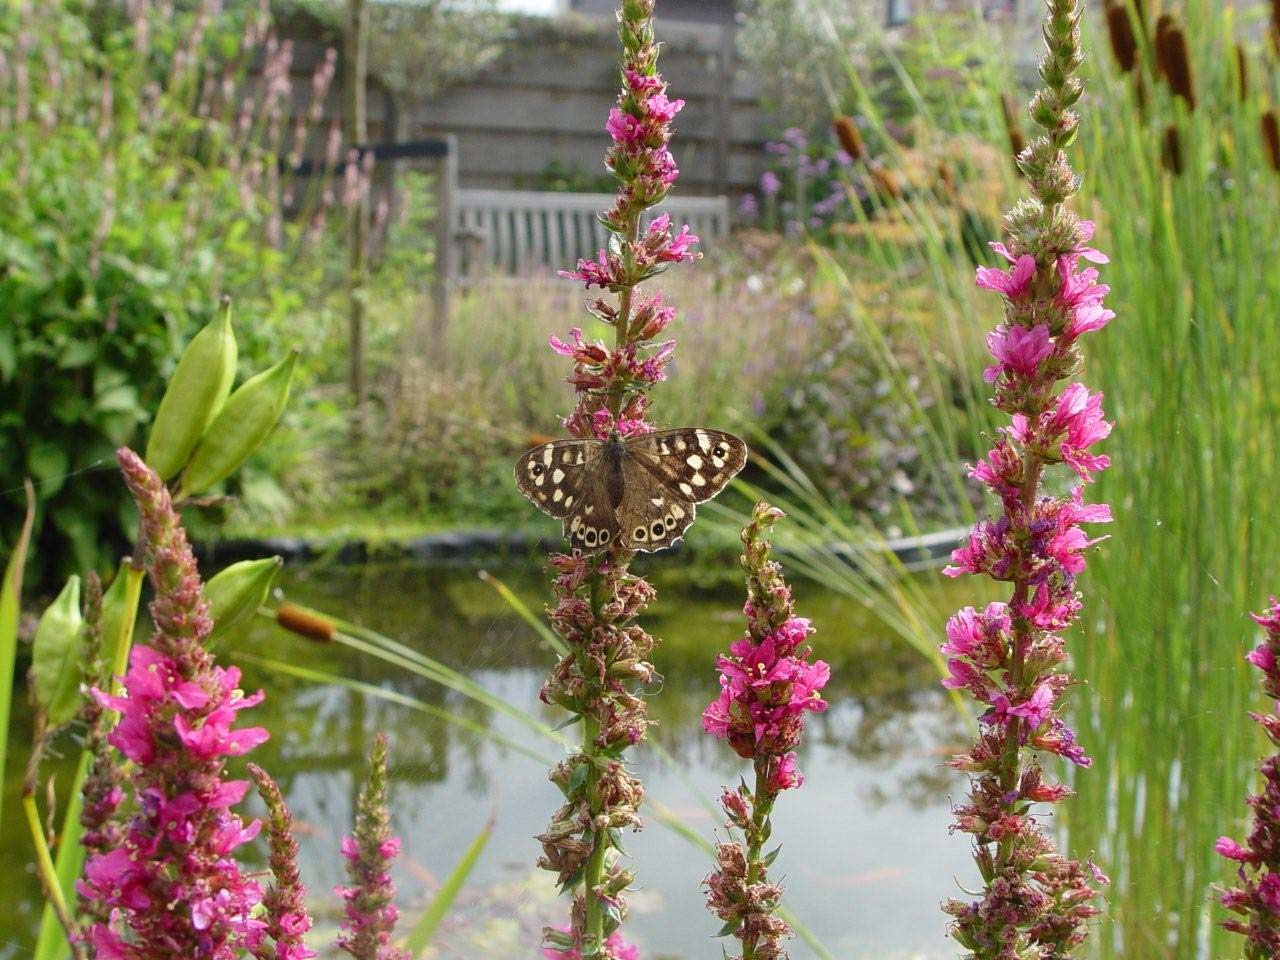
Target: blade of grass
425	929
10	607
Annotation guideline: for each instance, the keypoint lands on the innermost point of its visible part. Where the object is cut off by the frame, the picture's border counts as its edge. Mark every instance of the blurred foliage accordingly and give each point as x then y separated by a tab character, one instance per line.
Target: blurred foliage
128	201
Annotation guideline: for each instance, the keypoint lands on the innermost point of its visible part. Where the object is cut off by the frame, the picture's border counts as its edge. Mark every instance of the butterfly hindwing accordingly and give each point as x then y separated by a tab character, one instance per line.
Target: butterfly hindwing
555	475
651	518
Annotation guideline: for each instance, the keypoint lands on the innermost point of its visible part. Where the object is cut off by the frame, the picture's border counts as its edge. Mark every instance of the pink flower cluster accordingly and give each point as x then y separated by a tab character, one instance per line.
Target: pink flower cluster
767	685
1255	898
371	912
173	888
649	254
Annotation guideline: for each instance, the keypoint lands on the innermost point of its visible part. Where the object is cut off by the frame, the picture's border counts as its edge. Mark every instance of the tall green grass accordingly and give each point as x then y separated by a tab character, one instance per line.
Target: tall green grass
1191	370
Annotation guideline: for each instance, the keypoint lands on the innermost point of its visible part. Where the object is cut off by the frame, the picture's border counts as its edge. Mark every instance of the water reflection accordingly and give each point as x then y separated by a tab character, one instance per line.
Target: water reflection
867	854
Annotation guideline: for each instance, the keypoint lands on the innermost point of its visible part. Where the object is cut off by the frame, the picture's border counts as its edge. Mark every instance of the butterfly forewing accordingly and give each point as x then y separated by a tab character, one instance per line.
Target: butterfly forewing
665	474
555	475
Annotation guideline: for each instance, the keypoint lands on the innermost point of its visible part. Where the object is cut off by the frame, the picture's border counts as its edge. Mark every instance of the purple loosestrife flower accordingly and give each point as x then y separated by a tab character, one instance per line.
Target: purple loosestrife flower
1034	901
172	888
597	598
767	686
285	900
1256	895
369	850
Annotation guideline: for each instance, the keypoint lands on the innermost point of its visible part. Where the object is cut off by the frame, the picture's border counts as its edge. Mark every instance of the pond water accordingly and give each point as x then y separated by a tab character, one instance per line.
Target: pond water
866	852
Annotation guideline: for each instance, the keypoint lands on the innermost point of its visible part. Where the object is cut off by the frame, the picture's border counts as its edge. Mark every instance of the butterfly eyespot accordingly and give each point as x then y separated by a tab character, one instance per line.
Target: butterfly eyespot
657	528
720	450
605	536
640	533
669	522
537	469
589	537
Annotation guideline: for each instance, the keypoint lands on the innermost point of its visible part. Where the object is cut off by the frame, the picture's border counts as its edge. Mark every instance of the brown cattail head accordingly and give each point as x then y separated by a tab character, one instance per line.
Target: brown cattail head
303	622
1270	123
1017	141
1164	23
1120	29
886	182
1275	16
1171	151
850	138
1177	63
1242	71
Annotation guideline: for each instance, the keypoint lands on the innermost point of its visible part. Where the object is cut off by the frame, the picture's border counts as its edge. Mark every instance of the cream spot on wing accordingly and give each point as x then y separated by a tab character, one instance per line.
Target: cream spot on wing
557	496
573	527
698	480
589	509
704	441
566	456
677	511
547	454
681	446
582	458
718	462
657	501
568	501
686	489
557	476
694	461
541	477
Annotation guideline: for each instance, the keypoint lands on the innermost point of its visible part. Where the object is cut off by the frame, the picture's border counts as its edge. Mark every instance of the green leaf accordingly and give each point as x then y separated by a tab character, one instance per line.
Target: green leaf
423	931
772	856
47	462
730	928
57	657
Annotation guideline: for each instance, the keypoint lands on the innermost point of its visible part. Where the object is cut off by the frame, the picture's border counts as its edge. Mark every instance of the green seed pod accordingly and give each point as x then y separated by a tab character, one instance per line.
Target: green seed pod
57	662
239	429
196	393
237	592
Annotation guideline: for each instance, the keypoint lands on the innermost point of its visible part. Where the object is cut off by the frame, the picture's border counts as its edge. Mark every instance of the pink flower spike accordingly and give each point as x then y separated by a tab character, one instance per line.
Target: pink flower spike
1018	349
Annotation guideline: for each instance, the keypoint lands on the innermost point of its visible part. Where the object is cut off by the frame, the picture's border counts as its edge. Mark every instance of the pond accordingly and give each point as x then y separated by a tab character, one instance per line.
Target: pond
866	853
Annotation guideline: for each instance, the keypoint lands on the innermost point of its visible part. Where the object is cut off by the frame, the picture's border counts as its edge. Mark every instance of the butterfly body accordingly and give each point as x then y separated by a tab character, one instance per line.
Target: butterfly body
640	491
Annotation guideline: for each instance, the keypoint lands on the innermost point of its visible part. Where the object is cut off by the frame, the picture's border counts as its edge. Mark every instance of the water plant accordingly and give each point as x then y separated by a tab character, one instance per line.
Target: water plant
1007	656
767	685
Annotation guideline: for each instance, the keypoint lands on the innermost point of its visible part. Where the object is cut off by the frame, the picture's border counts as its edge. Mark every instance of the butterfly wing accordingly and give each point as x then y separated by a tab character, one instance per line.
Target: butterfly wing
565	479
665	474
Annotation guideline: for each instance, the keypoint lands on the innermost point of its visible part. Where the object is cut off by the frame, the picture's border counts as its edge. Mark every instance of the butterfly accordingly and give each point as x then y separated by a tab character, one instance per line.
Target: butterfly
639	491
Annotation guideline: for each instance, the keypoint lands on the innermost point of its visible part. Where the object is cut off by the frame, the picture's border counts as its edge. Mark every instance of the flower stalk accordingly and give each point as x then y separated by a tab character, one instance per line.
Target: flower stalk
767	687
1034	901
597	598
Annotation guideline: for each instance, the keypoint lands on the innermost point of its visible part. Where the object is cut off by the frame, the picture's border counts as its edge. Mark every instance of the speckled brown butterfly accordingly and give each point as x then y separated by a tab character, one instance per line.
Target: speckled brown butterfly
639	491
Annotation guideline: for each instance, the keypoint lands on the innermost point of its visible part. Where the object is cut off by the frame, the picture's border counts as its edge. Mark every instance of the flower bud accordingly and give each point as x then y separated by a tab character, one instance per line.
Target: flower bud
236	593
57	662
239	429
198	388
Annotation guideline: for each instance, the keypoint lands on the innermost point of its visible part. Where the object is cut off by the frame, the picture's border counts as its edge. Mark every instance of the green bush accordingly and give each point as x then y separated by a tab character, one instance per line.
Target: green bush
120	223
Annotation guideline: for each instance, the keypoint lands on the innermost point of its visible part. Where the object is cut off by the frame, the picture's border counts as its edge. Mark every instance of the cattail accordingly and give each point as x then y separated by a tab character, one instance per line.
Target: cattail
1242	72
850	138
886	182
1124	46
1017	141
1164	23
1177	64
1270	123
304	623
1171	151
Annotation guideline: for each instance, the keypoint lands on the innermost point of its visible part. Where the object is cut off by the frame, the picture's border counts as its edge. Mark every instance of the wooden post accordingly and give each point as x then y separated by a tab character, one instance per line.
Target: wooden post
357	134
446	251
724	106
